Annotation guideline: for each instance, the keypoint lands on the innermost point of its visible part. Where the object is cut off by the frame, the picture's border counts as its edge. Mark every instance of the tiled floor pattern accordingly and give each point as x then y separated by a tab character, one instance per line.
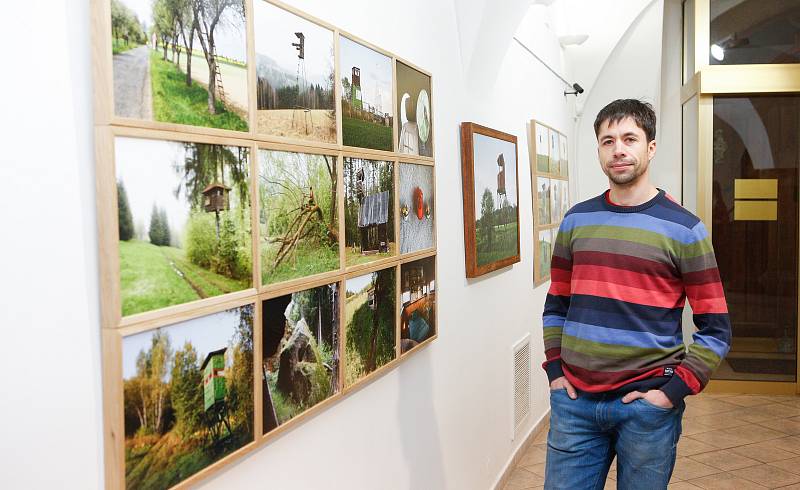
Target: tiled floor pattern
729	441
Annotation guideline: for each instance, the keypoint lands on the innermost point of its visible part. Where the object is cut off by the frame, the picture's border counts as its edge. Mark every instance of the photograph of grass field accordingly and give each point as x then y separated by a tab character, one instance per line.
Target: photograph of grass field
368	210
188	396
542	148
295	76
497	225
366	84
298	222
545	243
555	148
564	166
414	103
300	365
184	222
418	296
369	323
416	207
181	62
543	203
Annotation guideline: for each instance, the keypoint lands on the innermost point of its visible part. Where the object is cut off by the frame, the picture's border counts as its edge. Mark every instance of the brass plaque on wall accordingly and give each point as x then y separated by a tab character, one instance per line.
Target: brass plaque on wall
755	189
755	210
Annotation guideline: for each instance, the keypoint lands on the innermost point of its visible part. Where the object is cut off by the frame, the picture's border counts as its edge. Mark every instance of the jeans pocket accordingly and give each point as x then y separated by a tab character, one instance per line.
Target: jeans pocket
647	404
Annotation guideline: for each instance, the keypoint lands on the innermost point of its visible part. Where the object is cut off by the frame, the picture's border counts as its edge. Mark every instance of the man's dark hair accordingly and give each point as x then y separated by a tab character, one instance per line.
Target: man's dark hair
641	112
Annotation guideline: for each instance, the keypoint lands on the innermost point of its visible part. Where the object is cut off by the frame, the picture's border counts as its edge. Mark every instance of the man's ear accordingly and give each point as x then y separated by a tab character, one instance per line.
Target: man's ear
651	149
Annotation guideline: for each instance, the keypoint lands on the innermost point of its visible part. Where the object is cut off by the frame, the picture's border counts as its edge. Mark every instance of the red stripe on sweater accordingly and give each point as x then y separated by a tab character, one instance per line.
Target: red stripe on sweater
558	288
596	382
705	291
690	379
708	305
628	278
624	262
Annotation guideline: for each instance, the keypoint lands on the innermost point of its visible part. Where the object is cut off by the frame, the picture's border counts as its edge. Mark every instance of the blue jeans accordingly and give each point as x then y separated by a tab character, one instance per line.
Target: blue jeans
586	434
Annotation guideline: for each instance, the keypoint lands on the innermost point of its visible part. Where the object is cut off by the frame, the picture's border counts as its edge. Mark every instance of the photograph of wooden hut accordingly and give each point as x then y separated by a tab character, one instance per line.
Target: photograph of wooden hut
180	62
366	84
184	221
416	207
564	167
418	296
414	104
298	221
543	201
369	210
542	148
369	323
300	364
495	190
188	396
295	76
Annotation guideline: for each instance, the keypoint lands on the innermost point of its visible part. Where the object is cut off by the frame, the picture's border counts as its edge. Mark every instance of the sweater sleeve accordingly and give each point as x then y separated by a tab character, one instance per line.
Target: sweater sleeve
712	340
556	304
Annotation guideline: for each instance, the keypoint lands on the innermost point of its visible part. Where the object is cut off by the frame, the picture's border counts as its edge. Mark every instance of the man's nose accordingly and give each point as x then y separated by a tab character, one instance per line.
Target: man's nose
619	149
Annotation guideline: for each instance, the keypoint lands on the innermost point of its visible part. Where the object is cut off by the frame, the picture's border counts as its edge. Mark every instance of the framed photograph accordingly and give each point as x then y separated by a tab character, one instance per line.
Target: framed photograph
366	84
543	201
544	253
418	298
414	104
298	220
188	396
416	207
294	76
300	352
564	167
368	210
184	221
542	135
555	147
171	72
491	197
555	200
370	303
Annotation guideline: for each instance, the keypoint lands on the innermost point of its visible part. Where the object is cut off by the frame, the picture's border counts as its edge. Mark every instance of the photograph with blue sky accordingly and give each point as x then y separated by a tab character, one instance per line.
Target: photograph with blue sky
486	152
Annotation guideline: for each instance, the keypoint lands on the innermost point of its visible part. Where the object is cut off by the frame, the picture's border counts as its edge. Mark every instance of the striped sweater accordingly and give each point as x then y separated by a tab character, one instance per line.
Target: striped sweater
620	278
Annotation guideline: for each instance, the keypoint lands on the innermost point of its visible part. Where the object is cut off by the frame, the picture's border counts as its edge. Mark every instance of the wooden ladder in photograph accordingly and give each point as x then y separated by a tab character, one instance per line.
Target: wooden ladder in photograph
218	77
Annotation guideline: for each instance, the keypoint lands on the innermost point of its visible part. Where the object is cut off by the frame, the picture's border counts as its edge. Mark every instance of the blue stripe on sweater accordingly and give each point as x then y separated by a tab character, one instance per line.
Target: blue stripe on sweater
613	336
638	221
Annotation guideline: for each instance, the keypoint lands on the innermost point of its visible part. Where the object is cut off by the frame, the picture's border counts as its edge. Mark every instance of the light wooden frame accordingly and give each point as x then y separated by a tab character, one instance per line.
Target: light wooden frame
468	192
707	82
538	277
115	327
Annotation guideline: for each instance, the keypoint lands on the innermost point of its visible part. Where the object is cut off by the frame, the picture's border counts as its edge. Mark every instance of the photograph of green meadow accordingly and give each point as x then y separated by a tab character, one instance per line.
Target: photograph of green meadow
497	218
368	210
180	61
366	84
188	396
295	76
369	323
298	222
300	365
184	222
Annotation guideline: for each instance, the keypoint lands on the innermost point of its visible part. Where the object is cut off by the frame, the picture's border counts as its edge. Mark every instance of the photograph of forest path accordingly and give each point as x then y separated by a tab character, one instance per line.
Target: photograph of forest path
369	323
180	61
295	76
367	112
497	225
184	222
300	367
368	210
188	396
418	294
298	222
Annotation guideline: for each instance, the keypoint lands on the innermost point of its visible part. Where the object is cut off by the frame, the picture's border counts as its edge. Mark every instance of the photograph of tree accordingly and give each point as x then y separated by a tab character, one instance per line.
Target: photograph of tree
564	198
496	225
542	148
295	76
414	103
180	61
418	294
555	147
367	112
416	207
564	167
370	323
545	243
300	365
188	396
298	222
184	222
543	200
368	210
555	201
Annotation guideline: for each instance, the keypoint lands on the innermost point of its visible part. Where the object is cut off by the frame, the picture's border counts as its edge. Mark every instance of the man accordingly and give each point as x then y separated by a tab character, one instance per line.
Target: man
623	265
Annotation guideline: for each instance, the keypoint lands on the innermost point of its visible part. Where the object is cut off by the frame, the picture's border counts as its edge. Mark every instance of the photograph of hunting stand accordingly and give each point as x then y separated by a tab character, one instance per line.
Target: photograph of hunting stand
250	271
550	191
491	197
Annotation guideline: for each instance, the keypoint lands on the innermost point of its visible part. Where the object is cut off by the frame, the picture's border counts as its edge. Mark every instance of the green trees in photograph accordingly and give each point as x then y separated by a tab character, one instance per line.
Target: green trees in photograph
298	222
159	227
363	178
496	229
126	28
125	218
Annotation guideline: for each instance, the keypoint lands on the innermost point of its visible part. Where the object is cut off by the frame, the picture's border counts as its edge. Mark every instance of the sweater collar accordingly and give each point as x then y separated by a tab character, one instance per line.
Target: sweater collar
630	209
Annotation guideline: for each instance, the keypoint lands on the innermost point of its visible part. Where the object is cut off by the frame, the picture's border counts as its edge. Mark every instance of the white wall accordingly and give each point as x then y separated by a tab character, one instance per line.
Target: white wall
440	420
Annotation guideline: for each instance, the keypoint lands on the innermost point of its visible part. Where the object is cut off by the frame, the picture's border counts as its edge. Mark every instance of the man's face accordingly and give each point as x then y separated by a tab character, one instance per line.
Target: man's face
624	151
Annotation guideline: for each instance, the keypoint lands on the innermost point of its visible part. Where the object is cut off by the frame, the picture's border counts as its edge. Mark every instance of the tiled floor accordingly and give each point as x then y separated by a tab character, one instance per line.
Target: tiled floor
736	442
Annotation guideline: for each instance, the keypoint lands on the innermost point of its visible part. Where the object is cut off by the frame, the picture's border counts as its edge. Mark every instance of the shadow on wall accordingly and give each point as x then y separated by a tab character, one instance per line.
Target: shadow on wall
422	446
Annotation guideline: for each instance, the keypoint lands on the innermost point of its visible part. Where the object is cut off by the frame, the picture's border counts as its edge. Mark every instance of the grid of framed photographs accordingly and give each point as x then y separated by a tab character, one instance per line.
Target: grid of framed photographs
550	191
267	231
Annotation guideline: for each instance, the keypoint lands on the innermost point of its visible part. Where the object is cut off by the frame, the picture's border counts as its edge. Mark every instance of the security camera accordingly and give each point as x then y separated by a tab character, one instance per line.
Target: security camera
577	89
